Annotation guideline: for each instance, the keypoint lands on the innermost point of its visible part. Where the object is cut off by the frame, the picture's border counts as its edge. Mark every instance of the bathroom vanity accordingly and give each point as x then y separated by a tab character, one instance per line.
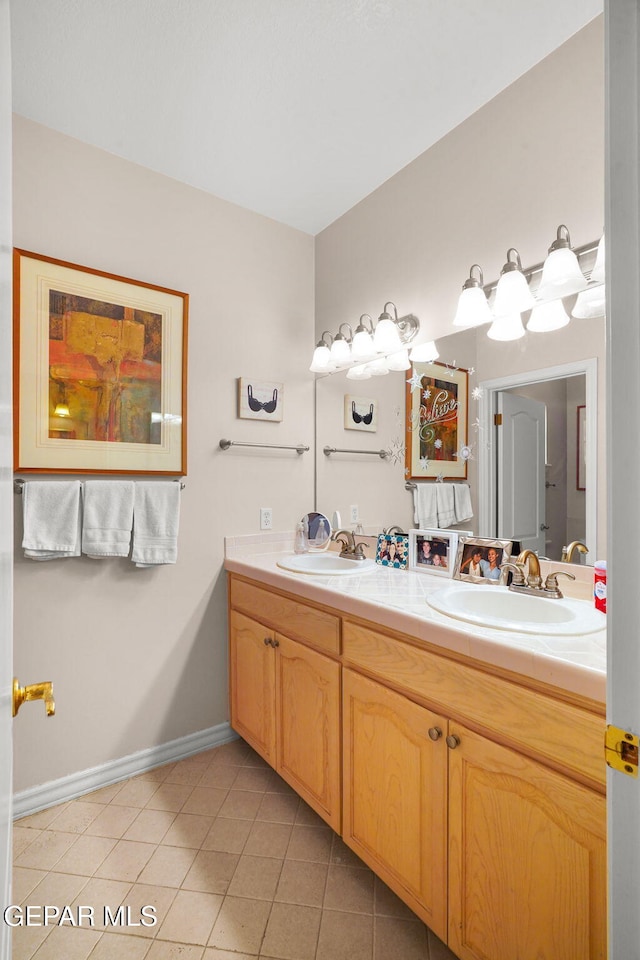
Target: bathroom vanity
463	765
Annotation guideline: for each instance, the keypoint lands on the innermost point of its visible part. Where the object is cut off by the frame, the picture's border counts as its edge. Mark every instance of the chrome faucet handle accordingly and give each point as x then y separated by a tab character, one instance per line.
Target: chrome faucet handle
519	579
551	583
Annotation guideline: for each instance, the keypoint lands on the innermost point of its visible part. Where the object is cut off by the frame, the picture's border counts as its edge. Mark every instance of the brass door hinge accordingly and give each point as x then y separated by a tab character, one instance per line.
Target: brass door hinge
497	419
621	750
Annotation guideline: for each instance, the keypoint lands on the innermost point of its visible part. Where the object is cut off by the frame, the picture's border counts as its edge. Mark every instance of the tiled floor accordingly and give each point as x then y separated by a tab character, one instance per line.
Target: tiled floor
236	865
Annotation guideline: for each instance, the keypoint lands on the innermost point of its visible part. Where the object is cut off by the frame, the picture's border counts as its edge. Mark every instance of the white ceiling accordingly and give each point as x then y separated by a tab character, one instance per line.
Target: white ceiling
296	109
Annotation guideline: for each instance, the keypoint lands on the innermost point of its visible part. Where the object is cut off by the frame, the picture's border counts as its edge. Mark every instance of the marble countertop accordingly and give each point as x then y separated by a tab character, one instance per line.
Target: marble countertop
397	599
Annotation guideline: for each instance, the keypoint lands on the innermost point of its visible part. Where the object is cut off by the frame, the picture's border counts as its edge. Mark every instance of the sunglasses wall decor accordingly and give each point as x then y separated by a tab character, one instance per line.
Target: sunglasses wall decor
360	413
260	399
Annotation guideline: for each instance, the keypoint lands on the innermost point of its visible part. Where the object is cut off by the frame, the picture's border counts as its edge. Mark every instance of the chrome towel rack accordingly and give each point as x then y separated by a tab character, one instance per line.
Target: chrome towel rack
18	484
299	447
383	454
410	485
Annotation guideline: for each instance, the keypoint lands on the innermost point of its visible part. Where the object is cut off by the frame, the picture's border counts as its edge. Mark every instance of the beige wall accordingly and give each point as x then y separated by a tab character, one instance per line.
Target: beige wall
530	159
138	657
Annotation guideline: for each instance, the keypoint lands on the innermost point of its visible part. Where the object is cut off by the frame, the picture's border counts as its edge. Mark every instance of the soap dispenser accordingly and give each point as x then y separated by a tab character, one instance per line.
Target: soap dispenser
322	533
300	543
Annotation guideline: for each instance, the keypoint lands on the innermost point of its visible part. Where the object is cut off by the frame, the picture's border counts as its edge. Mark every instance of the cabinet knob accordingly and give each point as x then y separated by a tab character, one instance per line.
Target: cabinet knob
267	641
275	643
435	733
453	741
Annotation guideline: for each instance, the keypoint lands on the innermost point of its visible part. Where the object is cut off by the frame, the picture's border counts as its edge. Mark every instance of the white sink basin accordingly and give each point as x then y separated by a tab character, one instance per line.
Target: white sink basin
504	609
325	564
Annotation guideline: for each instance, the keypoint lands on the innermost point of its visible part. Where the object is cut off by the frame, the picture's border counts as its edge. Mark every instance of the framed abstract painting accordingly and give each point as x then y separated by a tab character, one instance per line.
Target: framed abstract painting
99	371
436	422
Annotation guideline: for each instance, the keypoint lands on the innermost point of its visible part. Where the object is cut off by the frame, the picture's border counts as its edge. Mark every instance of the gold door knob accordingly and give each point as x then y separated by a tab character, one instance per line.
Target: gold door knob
34	691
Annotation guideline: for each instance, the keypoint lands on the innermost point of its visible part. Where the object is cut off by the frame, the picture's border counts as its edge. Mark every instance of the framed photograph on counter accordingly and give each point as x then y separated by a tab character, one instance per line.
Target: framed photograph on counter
437	422
393	550
480	560
432	551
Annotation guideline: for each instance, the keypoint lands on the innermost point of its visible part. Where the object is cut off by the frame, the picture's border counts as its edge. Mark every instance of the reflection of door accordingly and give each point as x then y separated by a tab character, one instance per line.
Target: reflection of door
521	457
6	477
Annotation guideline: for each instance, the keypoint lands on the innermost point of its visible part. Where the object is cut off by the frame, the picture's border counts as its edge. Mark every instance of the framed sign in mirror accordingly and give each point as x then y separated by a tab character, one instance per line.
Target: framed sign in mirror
437	422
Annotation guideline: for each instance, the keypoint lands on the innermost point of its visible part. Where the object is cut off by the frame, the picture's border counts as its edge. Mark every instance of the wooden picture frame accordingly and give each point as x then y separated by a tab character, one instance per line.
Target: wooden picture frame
474	561
581	447
437	412
100	371
260	399
433	551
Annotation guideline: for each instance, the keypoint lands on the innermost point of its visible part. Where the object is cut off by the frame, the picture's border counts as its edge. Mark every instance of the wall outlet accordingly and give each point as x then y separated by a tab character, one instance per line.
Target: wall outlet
266	518
354	516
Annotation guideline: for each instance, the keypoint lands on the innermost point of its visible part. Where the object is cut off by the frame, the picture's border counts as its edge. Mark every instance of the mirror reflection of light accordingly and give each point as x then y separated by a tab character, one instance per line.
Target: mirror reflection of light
165	418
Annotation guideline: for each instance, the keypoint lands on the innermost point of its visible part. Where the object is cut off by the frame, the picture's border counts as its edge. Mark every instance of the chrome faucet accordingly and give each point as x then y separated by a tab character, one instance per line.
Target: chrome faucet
567	552
350	549
532	583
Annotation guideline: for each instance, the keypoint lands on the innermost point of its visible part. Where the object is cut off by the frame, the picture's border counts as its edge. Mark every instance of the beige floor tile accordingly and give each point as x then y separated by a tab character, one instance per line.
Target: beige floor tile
135	793
399	938
308	817
170	796
234	753
100	894
211	871
278	807
302	882
26	940
24	880
241	805
437	949
292	932
387	904
240	925
255	878
349	889
22	837
58	889
126	861
310	843
85	854
113	821
45	851
278	785
186	771
165	950
228	836
254	759
168	866
212	953
341	853
150	826
76	816
219	775
42	818
158	774
188	830
190	917
346	936
68	942
268	839
104	794
118	946
253	778
147	895
205	801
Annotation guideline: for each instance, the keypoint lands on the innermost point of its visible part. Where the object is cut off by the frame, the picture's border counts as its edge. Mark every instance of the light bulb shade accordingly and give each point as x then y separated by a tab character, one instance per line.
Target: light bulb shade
424	352
61	410
399	361
386	338
378	368
473	308
548	316
512	295
340	351
321	362
362	347
561	275
597	274
590	303
507	328
360	371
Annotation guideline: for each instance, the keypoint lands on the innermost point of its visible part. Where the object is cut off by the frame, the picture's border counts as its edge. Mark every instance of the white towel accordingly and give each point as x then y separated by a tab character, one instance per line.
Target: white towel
462	502
425	512
107	518
445	504
156	516
51	515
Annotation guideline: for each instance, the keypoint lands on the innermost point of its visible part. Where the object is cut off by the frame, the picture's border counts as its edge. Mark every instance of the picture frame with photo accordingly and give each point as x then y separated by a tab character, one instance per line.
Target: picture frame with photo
480	560
433	551
393	550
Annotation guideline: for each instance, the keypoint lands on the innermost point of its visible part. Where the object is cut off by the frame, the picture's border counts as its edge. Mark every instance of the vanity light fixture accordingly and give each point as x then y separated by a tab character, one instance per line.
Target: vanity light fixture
424	352
362	347
386	338
561	273
597	274
360	371
548	316
506	328
512	293
373	350
473	306
322	362
590	303
341	347
399	361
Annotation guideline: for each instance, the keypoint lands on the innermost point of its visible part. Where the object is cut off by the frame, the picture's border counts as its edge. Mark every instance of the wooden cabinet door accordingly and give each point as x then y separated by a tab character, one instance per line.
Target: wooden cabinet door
308	726
252	683
395	803
527	861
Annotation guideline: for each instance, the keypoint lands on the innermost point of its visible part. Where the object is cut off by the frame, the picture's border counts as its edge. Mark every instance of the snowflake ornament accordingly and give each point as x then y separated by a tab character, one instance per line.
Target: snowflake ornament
440	478
465	452
395	451
477	426
424	463
471	371
426	394
477	393
438	444
415	381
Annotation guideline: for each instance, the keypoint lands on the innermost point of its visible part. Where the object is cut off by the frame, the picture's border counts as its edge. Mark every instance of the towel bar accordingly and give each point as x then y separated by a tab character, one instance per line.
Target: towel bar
299	447
378	453
18	484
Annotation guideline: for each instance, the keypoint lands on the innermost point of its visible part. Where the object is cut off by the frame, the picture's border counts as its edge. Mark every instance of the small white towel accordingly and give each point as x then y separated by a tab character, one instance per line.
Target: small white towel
156	516
51	516
425	512
445	504
107	518
462	502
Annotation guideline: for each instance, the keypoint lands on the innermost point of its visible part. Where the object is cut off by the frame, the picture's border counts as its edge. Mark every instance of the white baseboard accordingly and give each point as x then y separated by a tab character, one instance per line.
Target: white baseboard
85	781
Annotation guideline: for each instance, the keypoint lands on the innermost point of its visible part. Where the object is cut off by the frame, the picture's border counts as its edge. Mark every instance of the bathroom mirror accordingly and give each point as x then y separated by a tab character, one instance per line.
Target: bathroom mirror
559	374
